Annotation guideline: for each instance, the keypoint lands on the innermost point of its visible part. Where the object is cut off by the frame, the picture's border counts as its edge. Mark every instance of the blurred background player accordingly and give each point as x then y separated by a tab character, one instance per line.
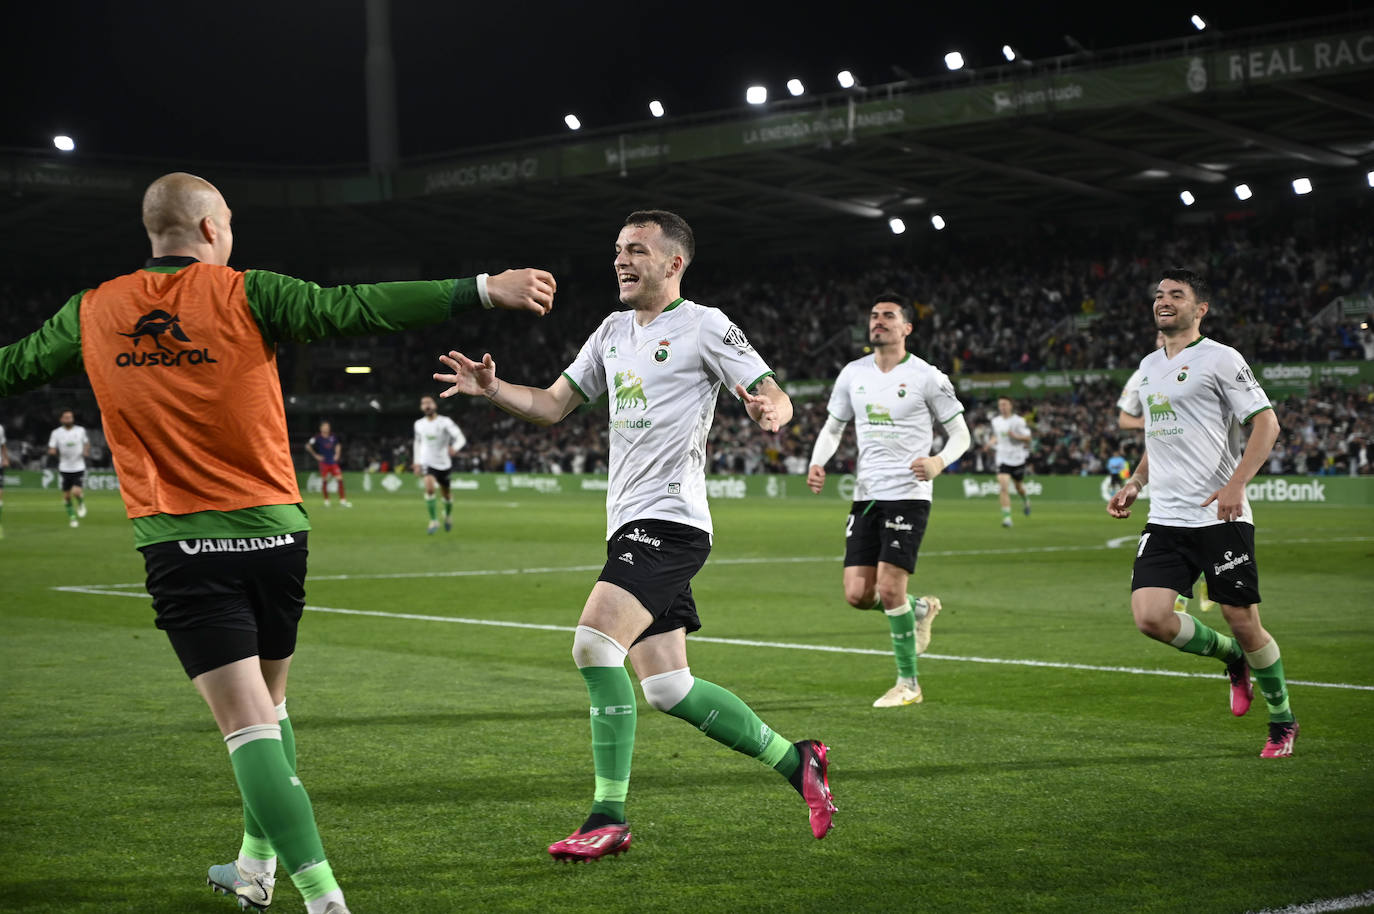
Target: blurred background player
325	448
894	400
1199	394
1012	437
662	362
69	443
437	441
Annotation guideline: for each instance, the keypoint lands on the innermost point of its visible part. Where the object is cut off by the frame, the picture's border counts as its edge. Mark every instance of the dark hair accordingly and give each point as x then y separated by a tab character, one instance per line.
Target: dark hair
673	226
893	298
1199	285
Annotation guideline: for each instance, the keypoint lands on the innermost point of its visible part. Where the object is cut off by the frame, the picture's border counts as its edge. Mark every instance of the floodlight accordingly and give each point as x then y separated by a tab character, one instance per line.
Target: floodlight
1370	178
756	95
1198	22
795	87
1009	52
846	79
64	143
897	225
1187	198
1302	186
358	369
954	60
656	108
938	221
572	122
1243	192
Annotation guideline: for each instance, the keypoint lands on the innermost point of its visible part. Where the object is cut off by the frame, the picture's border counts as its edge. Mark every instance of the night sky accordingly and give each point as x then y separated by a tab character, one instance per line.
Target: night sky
283	82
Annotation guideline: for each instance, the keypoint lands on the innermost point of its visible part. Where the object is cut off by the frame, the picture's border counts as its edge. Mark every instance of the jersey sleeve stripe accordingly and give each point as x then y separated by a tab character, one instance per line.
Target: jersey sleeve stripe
1255	413
758	380
951	416
576	388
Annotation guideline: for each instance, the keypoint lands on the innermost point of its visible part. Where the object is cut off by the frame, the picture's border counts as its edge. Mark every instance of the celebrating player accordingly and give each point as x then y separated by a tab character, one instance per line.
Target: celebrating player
438	439
71	446
894	399
224	540
1198	394
662	363
325	448
1012	437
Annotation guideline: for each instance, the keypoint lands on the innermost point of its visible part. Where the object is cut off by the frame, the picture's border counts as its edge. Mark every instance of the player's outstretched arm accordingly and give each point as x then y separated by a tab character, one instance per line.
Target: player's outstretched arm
1120	504
478	379
522	290
771	408
1230	498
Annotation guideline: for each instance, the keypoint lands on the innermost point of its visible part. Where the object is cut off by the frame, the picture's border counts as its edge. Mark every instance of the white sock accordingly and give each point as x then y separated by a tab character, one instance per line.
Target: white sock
319	904
254	865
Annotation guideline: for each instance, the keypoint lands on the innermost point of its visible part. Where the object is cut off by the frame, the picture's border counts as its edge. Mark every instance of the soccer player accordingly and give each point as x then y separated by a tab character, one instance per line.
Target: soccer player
4	464
224	540
1012	438
325	448
1131	415
1198	393
894	399
71	446
662	363
438	439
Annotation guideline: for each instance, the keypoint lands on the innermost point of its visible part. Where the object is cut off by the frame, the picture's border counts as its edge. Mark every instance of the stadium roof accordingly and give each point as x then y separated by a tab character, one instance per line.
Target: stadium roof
1091	138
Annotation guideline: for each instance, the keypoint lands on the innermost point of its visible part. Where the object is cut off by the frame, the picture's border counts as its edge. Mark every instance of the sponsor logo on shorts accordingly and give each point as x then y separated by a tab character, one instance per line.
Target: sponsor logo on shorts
248	544
898	523
1232	561
896	545
628	558
639	536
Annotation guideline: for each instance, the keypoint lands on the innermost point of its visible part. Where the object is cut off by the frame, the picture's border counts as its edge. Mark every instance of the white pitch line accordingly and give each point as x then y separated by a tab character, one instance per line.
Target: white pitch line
1347	903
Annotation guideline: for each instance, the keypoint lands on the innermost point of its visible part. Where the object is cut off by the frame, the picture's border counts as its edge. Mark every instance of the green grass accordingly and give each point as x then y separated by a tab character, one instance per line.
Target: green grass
442	758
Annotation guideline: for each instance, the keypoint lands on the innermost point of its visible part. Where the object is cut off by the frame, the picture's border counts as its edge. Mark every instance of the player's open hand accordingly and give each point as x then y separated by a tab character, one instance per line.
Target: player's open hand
927	468
1230	500
1120	504
815	478
761	409
522	290
468	377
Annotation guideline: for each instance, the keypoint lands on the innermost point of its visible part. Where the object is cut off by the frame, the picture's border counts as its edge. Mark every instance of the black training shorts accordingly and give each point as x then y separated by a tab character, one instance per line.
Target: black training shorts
221	600
1172	557
655	560
885	531
1017	471
440	476
69	480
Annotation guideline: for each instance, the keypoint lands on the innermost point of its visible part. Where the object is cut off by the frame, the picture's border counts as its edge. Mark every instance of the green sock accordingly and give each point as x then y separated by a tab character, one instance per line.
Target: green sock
721	715
1268	670
279	803
255	845
903	624
430	507
71	509
448	508
1006	513
1195	638
80	500
612	697
315	881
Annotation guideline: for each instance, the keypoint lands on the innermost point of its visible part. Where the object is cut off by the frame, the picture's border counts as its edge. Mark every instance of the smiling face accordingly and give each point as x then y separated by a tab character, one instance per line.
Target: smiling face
887	325
1177	310
648	267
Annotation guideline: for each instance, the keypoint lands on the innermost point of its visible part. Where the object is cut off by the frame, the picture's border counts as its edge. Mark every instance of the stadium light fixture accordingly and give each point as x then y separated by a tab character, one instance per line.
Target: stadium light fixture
954	60
656	108
1187	198
846	79
64	143
358	369
897	225
1198	22
572	122
795	86
1302	186
1243	192
756	95
1370	178
938	221
1009	52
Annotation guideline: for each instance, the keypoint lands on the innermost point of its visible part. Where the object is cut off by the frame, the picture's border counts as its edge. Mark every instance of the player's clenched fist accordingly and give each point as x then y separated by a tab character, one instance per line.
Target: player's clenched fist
522	290
815	478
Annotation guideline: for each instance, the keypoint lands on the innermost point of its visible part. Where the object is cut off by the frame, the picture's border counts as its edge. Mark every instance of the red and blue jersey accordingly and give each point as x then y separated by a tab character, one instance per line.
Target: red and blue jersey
327	446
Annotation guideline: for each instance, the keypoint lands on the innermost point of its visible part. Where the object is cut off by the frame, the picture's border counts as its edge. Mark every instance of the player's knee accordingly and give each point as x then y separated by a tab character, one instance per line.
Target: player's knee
1153	625
892	593
666	690
594	648
859	597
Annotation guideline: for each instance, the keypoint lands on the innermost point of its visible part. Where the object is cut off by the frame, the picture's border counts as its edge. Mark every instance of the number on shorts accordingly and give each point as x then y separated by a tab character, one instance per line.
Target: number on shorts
849	526
1144	538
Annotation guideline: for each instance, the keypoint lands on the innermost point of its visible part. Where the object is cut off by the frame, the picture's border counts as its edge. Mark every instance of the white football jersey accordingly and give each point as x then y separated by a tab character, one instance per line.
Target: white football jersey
1194	406
1129	402
1010	452
433	438
71	448
894	415
662	381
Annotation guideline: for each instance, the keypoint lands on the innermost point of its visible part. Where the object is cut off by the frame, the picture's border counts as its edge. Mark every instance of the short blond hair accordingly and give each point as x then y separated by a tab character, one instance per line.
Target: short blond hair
175	204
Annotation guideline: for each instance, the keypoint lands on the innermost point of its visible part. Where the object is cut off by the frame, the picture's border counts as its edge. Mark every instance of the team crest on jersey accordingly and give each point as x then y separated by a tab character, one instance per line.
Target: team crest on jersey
1160	408
152	326
661	353
610	353
1182	374
901	390
878	414
629	391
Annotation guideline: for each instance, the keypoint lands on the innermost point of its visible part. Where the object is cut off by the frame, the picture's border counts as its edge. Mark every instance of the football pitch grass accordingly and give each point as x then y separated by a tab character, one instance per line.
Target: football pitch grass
1056	764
